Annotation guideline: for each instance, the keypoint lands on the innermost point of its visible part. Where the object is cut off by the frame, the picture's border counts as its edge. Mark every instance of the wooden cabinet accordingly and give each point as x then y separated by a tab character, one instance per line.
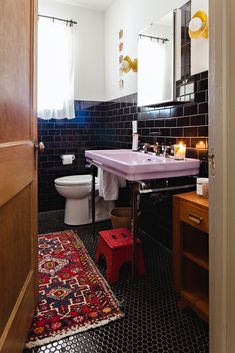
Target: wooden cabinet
190	252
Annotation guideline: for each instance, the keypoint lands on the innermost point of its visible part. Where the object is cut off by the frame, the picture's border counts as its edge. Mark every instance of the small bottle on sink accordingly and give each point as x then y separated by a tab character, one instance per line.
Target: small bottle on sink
135	142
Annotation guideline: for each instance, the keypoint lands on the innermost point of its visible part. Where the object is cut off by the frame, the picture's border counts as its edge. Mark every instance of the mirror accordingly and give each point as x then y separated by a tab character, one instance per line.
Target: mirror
156	73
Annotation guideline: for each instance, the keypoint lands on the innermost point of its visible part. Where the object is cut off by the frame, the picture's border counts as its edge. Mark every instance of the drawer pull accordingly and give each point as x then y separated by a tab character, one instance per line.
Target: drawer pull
194	218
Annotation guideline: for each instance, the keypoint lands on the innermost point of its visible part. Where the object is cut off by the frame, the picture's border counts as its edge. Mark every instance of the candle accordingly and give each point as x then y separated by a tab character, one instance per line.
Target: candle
201	145
179	151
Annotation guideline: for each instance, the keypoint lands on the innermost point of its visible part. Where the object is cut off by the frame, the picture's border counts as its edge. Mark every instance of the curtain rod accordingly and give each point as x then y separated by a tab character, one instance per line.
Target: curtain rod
152	37
71	22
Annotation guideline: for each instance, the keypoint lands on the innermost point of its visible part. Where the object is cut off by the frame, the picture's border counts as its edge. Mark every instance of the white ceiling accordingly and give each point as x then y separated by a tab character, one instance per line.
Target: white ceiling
100	5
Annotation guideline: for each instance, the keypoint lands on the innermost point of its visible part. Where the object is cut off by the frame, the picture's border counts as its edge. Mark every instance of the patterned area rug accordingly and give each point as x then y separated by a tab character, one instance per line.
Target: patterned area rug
73	295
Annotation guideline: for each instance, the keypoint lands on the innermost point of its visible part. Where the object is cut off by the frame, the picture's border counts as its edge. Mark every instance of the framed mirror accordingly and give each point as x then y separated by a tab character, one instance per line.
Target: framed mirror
156	57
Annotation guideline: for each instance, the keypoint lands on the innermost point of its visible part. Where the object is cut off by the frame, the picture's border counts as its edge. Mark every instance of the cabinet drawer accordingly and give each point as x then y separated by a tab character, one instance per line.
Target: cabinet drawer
194	216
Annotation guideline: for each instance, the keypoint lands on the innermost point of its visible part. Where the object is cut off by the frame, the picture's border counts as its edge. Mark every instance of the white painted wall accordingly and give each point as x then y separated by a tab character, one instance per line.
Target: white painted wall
131	16
89	47
96	52
199	47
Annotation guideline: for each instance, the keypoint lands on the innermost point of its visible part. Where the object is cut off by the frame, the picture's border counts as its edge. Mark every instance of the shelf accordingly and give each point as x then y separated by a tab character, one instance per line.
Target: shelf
191	253
198	259
194	278
198	301
195	287
195	246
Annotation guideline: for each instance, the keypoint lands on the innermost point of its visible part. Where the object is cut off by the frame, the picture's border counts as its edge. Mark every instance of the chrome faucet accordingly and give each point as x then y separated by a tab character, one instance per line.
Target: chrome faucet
144	148
166	151
155	147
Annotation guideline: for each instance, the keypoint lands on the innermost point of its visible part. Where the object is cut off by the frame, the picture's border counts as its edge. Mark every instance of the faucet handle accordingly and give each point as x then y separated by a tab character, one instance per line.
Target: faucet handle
144	147
167	150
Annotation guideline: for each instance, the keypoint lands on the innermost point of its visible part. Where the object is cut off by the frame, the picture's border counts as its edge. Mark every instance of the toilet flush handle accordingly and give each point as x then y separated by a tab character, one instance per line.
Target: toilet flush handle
39	146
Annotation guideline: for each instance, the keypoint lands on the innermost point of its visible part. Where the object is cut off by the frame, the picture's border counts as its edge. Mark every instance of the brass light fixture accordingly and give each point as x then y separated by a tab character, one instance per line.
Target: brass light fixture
198	26
128	64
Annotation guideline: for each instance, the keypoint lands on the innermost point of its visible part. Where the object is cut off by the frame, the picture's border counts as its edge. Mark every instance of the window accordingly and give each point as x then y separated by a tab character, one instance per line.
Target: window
55	70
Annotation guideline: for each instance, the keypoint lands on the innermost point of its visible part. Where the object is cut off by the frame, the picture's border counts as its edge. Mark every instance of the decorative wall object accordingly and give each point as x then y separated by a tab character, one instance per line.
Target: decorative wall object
121	46
125	62
121	83
121	58
120	34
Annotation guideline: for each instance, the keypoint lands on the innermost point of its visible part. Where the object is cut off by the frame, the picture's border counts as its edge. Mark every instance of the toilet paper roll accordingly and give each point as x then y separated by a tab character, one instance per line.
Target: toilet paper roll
67	158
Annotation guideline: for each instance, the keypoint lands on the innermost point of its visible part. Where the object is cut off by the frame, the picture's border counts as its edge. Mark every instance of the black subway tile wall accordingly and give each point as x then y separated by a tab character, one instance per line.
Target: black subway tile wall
67	137
119	115
186	122
109	125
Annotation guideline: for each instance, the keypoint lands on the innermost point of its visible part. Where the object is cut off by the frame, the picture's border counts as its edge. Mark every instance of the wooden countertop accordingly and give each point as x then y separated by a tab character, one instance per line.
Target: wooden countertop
194	199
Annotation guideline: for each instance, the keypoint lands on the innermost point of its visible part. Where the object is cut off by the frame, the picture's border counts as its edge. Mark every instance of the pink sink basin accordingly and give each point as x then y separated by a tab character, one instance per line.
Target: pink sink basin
139	166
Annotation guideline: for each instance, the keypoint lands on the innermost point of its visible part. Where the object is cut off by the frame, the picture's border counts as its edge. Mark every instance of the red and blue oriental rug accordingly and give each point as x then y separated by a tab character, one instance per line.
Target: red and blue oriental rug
73	295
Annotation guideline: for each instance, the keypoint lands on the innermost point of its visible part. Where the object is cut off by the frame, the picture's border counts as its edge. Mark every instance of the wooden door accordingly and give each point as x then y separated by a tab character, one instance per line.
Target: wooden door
18	172
222	188
221	144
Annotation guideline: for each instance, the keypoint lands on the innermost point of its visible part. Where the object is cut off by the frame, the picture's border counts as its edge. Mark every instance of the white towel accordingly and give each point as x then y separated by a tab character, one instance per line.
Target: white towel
109	185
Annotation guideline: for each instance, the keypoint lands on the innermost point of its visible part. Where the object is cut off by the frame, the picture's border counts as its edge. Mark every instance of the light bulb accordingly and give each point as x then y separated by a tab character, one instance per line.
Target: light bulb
195	24
125	64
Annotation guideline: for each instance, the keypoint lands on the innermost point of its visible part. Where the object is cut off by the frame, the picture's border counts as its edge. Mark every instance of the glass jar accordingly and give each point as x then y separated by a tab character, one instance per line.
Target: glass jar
202	187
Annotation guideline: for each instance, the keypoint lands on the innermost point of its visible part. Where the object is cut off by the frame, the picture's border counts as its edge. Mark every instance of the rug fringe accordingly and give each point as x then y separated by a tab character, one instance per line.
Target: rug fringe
62	335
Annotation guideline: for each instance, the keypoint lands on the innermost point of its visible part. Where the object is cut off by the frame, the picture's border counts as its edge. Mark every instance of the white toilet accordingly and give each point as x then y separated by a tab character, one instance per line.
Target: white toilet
77	191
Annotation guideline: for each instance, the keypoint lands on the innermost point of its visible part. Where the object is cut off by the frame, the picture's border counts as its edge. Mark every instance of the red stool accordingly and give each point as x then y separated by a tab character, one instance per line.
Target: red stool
116	246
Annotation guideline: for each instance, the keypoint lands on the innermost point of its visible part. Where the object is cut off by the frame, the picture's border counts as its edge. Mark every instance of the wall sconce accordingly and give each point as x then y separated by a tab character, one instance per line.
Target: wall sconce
128	64
198	26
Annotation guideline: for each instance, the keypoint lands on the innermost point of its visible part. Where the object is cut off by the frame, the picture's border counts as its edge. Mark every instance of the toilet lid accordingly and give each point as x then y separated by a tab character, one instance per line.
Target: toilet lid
74	180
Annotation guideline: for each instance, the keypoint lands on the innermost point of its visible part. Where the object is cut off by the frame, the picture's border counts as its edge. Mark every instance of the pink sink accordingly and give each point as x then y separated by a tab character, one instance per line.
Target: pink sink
139	166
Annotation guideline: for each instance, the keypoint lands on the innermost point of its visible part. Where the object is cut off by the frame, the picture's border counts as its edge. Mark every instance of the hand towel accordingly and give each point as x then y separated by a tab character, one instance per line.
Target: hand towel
109	185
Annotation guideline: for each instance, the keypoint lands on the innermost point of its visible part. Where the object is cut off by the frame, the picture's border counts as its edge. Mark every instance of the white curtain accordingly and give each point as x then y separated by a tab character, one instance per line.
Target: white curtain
55	70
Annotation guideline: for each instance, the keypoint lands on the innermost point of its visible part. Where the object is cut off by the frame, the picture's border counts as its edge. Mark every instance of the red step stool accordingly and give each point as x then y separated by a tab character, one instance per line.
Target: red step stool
116	246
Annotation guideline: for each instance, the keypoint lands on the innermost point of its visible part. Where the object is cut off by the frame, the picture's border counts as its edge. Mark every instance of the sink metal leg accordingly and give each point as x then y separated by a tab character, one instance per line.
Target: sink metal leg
93	201
134	224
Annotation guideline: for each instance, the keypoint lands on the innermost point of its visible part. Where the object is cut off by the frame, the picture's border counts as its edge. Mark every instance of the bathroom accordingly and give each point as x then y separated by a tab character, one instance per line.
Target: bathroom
107	101
107	124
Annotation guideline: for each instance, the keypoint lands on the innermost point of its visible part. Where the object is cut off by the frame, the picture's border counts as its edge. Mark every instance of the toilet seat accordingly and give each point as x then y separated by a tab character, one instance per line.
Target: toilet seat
75	180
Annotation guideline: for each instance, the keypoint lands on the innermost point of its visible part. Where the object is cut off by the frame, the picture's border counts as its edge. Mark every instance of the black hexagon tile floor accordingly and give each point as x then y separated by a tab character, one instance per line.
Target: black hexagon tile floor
152	321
